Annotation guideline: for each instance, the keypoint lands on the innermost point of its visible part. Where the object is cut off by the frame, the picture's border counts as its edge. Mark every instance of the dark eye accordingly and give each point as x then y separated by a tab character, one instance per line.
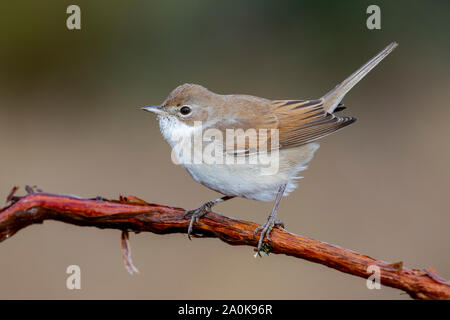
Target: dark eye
185	110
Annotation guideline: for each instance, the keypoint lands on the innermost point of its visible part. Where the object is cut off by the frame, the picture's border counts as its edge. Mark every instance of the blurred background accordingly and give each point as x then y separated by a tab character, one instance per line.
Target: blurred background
70	123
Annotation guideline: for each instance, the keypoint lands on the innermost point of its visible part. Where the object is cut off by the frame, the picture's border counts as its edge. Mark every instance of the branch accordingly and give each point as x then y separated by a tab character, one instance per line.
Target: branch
135	215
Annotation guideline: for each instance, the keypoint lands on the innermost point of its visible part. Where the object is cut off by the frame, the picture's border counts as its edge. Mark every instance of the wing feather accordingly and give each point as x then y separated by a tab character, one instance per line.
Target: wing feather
298	122
303	121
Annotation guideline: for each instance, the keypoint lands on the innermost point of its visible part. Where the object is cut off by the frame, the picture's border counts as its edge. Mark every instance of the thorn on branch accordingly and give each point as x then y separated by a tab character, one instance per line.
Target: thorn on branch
11	194
397	266
10	198
132	200
32	189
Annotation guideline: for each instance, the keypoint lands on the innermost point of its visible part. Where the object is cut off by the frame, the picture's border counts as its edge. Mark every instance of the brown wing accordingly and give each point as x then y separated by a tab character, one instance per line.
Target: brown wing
296	122
303	121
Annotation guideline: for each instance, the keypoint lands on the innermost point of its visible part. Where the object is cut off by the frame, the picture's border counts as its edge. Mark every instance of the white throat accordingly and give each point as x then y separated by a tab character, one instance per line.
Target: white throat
174	130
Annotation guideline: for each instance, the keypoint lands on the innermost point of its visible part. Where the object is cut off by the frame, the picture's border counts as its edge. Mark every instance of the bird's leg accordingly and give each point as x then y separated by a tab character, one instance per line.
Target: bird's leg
271	222
196	214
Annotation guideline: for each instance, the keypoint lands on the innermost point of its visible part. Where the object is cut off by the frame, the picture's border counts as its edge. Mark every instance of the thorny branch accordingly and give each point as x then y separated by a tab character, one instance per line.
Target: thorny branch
131	214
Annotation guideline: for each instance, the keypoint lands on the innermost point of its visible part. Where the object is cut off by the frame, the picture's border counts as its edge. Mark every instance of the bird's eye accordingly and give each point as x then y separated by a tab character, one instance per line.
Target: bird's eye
185	110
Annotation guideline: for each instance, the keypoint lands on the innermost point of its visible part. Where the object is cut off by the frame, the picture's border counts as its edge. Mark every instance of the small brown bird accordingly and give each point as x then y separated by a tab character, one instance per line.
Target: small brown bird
283	131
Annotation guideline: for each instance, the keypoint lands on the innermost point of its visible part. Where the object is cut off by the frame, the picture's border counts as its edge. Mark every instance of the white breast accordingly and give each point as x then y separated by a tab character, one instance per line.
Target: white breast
242	180
249	180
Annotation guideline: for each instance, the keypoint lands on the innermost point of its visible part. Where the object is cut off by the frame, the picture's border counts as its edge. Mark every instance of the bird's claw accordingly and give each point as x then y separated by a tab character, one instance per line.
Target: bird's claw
266	229
196	214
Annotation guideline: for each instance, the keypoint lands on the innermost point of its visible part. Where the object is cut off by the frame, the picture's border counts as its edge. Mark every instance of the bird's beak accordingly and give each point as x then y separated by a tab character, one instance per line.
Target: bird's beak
154	109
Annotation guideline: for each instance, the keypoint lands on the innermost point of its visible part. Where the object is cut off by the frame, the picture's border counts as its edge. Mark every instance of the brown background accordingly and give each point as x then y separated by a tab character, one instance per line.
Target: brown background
70	123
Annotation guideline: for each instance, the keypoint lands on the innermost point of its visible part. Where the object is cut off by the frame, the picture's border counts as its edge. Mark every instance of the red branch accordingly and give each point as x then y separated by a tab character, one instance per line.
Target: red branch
135	215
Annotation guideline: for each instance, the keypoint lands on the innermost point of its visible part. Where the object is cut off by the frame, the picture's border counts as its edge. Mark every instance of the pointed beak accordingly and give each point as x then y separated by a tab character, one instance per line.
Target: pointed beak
154	109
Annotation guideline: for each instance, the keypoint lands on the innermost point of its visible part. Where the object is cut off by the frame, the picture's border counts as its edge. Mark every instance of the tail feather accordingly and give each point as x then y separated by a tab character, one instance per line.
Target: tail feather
335	96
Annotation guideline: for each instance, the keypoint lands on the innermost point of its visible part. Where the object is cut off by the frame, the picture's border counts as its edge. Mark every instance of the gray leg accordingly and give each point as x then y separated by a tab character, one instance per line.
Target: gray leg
196	214
271	222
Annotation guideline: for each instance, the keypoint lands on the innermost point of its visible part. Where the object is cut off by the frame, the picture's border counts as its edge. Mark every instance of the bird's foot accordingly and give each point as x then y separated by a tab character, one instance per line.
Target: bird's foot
198	213
265	232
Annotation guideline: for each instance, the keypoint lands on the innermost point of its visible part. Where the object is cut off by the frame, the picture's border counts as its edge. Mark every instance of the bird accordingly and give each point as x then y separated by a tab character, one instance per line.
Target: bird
285	130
